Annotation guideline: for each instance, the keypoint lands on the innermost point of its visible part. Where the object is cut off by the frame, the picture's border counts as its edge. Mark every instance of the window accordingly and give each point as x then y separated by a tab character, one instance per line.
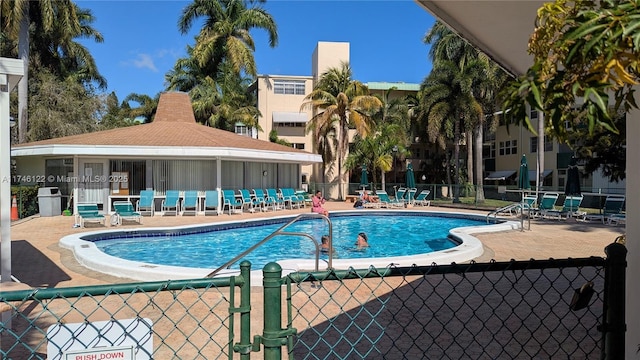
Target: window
298	146
548	144
417	152
533	114
291	124
289	87
489	151
509	147
242	130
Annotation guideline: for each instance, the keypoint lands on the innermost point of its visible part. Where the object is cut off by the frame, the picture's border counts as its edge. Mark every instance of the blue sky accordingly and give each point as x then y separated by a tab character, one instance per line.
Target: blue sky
142	41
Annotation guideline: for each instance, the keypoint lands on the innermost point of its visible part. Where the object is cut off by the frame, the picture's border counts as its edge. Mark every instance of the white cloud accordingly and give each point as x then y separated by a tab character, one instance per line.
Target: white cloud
143	61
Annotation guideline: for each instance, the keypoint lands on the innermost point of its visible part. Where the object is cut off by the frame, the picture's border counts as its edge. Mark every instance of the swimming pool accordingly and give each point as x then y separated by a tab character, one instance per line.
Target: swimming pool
402	238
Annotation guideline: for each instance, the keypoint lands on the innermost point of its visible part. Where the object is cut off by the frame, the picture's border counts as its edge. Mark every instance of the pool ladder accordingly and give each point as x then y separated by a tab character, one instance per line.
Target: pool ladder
522	207
281	231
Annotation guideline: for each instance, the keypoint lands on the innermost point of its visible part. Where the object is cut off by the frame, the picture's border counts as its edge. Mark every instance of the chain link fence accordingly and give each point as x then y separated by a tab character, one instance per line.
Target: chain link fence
551	309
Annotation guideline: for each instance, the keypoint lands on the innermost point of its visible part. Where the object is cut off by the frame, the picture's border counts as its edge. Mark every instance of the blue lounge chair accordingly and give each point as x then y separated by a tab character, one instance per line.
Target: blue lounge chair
399	198
547	203
422	198
279	203
385	200
125	211
570	208
289	195
171	202
146	202
410	196
613	206
229	201
211	202
190	203
89	213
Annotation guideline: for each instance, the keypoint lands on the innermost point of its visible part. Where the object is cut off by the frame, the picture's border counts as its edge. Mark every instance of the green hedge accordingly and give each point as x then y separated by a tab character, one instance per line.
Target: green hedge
27	199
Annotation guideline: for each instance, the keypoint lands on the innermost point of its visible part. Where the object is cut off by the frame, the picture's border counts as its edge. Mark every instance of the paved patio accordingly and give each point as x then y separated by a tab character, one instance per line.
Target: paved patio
38	260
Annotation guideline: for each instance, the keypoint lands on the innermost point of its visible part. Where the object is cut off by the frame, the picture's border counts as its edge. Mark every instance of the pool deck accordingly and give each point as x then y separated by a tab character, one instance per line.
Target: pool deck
39	261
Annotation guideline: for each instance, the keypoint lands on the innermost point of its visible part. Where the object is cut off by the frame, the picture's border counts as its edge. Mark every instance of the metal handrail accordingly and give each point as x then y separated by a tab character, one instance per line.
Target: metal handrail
523	206
281	232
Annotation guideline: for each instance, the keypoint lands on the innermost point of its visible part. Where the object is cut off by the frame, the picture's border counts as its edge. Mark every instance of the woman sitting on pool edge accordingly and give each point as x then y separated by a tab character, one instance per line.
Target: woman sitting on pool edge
317	200
362	241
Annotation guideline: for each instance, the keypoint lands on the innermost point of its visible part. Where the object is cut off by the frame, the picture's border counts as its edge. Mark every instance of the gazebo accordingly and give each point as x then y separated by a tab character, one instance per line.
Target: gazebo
173	152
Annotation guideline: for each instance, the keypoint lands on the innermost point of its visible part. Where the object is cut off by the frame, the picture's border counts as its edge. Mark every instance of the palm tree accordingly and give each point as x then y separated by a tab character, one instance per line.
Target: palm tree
146	109
55	24
224	36
326	141
449	107
337	95
376	150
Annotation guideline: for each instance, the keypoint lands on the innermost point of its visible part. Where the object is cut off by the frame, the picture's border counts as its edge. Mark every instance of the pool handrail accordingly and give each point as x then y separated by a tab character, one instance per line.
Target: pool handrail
280	232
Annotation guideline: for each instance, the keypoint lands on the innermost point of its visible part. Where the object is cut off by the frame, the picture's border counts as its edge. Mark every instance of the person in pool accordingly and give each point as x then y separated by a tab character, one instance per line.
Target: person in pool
324	243
362	241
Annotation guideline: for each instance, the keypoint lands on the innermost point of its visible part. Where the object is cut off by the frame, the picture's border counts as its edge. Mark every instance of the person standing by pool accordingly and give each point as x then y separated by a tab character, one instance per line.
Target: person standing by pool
317	201
362	241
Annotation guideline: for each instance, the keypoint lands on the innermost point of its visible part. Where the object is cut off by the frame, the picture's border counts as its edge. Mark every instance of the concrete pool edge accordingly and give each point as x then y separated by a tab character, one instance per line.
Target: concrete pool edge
88	255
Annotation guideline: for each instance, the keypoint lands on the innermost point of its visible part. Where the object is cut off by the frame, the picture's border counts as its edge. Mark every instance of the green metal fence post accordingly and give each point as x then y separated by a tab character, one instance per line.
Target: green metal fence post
272	272
614	325
245	315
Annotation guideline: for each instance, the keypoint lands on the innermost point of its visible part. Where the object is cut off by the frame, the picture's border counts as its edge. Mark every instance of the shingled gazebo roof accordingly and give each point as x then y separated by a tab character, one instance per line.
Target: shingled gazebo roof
173	132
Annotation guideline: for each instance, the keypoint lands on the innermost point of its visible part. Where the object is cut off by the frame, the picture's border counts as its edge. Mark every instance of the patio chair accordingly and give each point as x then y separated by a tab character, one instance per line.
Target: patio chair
171	202
250	202
400	193
125	211
288	194
421	199
230	201
613	206
146	202
616	219
89	213
266	200
279	203
190	203
211	202
570	208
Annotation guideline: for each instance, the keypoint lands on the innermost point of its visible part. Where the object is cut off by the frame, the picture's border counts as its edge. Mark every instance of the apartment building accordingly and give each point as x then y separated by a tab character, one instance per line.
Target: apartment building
280	99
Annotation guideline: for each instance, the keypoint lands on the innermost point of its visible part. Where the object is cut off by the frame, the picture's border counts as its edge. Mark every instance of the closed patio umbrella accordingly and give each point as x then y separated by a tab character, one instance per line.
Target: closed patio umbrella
572	187
523	175
411	178
364	180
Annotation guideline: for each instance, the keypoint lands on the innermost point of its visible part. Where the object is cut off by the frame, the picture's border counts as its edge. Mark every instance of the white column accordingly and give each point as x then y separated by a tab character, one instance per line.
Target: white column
5	181
632	340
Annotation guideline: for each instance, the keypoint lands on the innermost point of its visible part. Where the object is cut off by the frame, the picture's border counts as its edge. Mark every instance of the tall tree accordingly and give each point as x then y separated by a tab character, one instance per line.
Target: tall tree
449	107
146	109
224	35
55	24
337	95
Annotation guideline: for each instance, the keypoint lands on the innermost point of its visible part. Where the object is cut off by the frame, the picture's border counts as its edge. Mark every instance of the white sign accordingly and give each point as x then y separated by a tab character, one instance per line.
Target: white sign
116	352
99	338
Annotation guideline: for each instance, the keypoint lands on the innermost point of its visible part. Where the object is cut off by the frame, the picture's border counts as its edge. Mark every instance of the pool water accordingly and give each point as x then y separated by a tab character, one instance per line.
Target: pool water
389	235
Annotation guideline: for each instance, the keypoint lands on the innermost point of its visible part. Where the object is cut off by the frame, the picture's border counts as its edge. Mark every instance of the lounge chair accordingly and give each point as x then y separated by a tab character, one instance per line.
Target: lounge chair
288	194
613	206
190	203
616	219
385	201
229	200
399	198
410	196
211	202
89	213
279	203
570	208
547	203
146	202
422	198
171	202
125	211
